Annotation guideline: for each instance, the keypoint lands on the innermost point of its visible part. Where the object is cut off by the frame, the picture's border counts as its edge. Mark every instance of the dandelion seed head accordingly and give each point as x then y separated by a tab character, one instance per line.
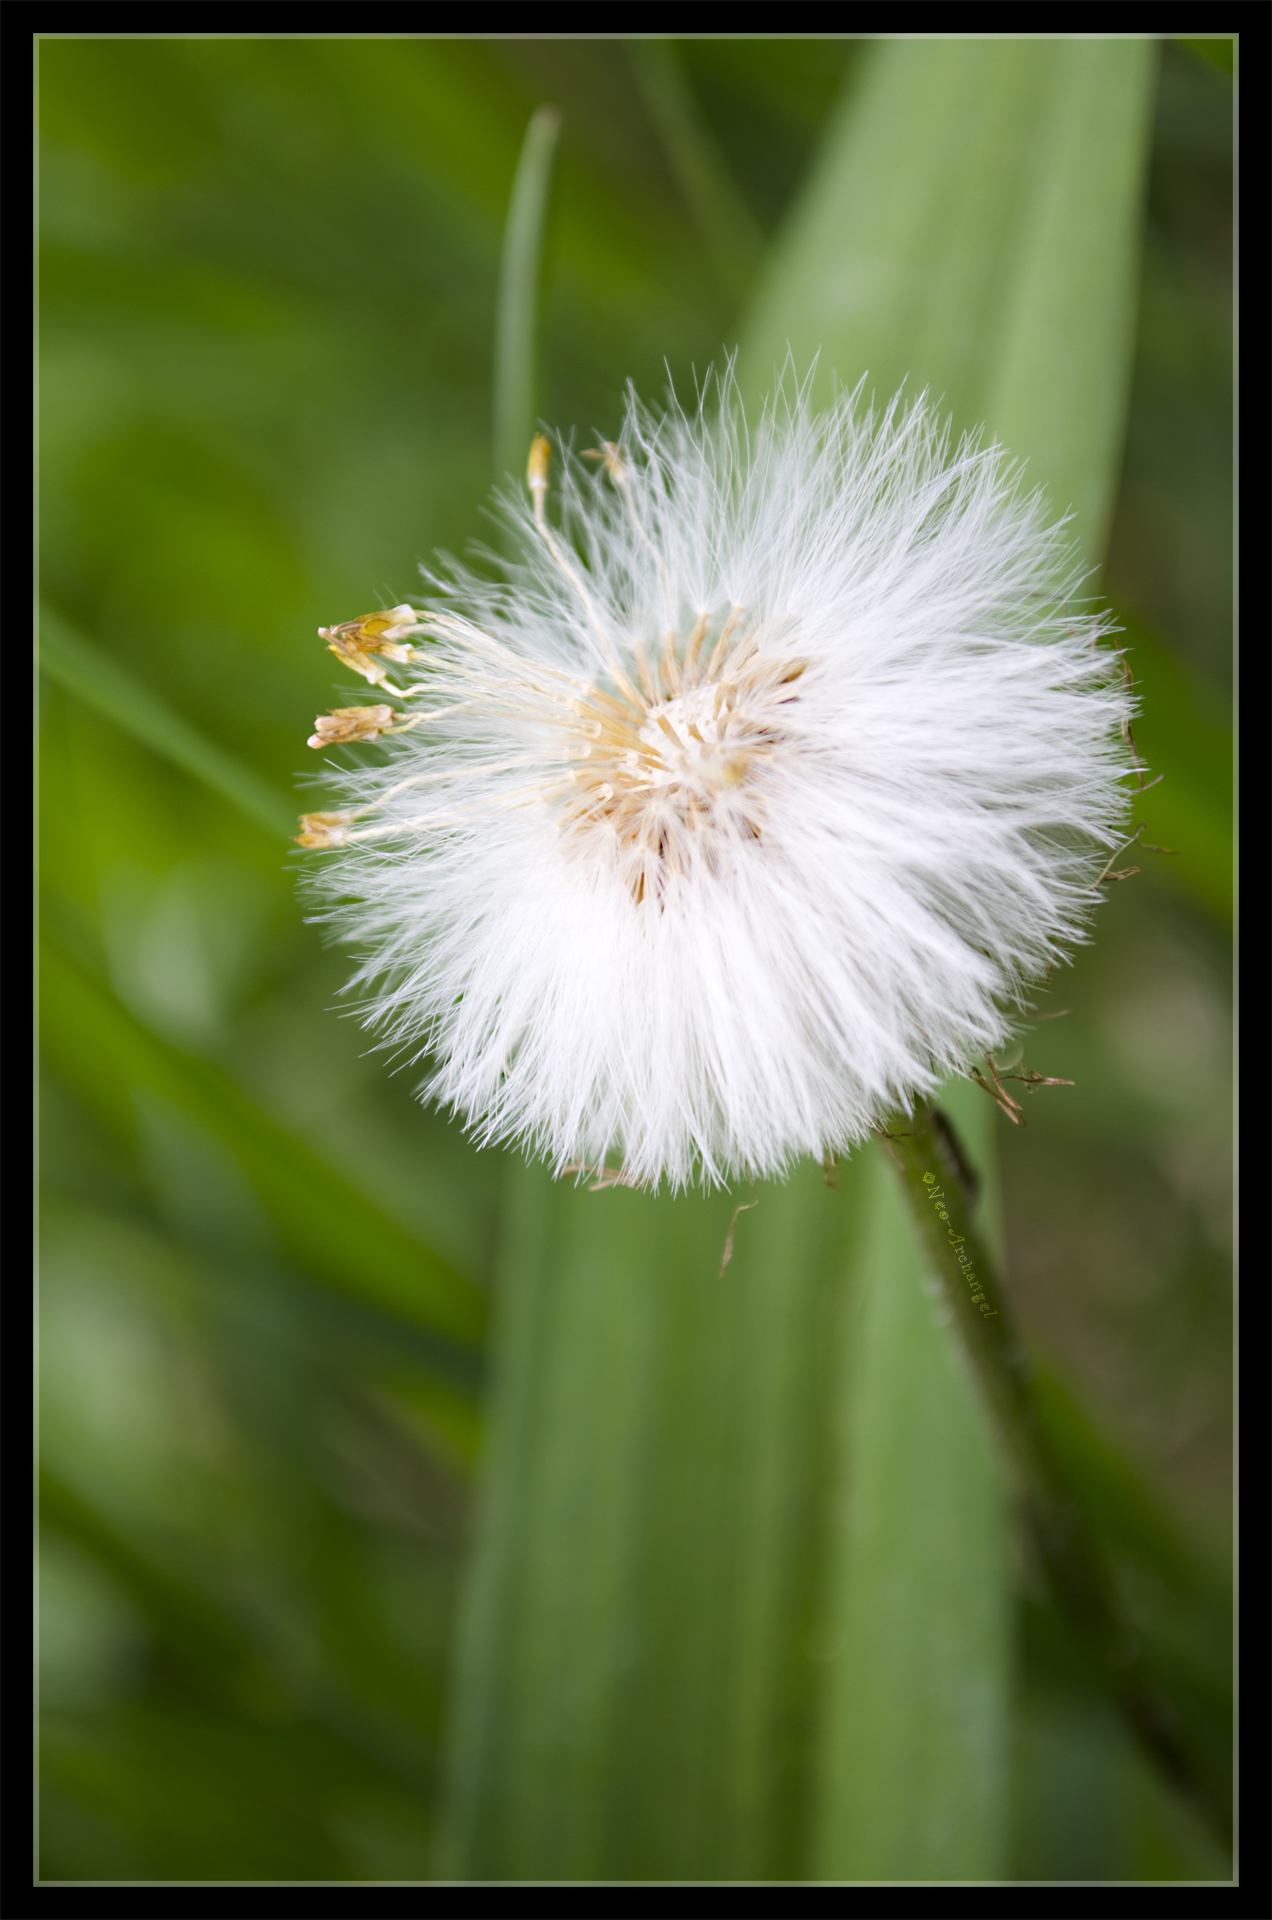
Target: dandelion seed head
742	807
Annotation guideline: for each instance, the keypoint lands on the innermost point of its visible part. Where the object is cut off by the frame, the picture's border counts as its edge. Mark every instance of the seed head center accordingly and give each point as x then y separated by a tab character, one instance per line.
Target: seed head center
689	745
665	778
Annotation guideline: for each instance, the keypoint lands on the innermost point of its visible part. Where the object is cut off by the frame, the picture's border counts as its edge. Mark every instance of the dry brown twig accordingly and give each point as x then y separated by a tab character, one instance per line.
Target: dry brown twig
743	1206
1126	872
1030	1080
606	1178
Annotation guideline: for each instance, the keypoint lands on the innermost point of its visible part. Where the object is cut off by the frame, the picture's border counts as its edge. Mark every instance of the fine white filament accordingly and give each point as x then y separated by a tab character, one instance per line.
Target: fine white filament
747	804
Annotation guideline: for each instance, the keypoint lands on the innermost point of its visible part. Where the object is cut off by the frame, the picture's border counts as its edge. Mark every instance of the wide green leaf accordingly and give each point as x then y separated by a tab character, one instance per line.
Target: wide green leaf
972	231
916	1612
637	1687
741	1599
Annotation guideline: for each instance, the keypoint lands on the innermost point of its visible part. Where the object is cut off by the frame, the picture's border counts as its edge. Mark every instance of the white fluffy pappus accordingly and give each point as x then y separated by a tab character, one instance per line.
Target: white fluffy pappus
745	806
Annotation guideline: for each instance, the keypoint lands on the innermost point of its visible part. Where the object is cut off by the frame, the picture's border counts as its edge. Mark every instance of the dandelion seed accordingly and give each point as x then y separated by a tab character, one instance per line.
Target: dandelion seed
756	794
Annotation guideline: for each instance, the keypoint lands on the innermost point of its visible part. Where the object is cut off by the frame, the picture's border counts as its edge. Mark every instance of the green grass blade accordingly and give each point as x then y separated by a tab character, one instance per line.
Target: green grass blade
517	322
322	1220
199	1645
722	215
232	1758
100	681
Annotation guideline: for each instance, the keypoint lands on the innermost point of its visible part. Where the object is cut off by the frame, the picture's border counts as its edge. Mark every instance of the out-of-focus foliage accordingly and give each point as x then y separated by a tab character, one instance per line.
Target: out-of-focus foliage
268	299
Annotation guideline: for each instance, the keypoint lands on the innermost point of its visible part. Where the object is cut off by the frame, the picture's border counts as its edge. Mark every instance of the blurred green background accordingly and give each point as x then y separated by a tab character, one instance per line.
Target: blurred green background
268	283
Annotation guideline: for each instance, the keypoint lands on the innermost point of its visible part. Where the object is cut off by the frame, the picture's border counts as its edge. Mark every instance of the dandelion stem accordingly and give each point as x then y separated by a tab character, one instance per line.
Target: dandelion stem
940	1190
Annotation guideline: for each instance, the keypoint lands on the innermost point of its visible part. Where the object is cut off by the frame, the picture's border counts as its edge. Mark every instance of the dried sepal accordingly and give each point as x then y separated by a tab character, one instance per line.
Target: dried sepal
323	830
345	724
366	643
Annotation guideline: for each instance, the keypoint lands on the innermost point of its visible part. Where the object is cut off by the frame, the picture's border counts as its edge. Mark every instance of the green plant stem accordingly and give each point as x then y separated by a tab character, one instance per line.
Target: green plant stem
940	1188
515	326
